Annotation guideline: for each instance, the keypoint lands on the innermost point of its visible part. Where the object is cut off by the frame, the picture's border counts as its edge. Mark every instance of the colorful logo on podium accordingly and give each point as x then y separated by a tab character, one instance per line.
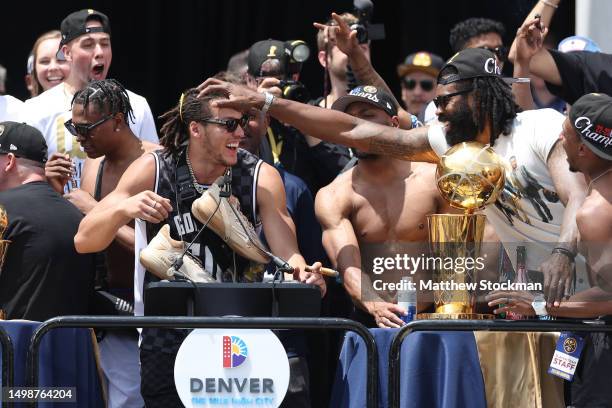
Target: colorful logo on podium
234	351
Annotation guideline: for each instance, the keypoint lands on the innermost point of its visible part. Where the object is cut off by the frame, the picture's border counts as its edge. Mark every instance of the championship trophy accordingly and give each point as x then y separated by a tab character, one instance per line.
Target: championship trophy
3	245
470	175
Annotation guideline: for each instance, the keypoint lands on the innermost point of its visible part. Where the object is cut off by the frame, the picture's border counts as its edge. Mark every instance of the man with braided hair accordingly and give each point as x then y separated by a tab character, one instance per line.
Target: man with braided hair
111	147
200	143
473	103
86	44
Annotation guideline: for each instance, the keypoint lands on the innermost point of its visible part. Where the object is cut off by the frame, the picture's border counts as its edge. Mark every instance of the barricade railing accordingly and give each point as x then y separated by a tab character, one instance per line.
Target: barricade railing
474	325
8	358
117	322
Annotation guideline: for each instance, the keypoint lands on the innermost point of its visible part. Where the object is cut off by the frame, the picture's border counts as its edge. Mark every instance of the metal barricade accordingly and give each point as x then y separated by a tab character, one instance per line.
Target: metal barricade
116	322
8	361
473	325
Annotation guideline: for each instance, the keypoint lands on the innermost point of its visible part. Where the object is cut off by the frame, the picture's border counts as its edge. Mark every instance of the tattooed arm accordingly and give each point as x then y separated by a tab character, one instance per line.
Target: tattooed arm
329	125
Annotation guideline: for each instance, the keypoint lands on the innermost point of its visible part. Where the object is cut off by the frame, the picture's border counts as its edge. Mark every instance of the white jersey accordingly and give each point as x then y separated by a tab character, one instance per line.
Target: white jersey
529	209
10	108
50	110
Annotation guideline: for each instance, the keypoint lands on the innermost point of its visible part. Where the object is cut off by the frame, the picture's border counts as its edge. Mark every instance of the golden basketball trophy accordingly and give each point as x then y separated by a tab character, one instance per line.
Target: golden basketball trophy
470	175
3	245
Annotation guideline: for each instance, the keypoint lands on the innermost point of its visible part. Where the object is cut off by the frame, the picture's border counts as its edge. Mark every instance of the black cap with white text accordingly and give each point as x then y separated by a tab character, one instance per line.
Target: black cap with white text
591	117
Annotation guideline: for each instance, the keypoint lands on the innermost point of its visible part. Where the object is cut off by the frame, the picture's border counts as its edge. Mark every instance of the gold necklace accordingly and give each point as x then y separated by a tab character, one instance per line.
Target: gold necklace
194	181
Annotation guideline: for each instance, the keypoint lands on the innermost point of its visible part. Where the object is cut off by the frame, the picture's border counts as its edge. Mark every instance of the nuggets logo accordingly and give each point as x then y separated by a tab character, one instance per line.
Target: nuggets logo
369	89
234	351
569	345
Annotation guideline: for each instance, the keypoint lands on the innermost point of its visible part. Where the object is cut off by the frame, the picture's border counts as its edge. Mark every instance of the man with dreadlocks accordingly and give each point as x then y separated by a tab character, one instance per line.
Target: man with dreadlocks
200	144
86	44
111	147
474	103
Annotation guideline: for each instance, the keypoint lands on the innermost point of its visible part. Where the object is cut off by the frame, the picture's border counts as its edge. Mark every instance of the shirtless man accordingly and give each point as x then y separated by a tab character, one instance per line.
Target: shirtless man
371	204
101	114
588	144
586	140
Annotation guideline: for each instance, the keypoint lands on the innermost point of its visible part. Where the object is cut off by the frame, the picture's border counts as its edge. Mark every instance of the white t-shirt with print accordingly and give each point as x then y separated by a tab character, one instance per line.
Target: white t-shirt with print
10	108
529	211
50	110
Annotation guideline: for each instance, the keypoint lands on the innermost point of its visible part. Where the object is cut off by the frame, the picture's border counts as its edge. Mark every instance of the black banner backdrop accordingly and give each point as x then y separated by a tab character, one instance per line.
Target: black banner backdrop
161	47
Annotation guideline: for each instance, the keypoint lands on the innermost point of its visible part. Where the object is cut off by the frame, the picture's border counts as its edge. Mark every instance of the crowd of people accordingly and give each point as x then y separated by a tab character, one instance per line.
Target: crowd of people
101	202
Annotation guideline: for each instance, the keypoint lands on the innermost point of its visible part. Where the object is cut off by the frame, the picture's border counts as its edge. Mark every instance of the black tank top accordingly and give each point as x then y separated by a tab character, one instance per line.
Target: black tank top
175	183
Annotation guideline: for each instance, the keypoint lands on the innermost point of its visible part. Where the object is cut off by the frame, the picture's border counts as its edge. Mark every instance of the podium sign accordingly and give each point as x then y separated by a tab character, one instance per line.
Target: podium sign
231	368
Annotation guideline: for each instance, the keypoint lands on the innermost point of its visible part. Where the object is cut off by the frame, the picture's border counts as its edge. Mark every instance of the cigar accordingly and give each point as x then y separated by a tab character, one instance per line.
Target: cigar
325	272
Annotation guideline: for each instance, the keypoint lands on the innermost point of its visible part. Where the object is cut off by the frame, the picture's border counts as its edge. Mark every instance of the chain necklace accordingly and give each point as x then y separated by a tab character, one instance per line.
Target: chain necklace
597	178
198	187
194	181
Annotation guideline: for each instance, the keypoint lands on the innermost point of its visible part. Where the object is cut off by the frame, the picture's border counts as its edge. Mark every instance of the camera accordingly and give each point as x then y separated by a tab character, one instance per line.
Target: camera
296	52
294	90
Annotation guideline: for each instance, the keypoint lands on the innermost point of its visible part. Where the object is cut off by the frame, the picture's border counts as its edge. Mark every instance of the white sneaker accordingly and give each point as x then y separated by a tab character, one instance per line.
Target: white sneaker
161	253
225	224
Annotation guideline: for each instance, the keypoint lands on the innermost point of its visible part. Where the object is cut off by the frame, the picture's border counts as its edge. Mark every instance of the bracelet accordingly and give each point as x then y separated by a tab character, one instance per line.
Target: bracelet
548	3
267	103
564	251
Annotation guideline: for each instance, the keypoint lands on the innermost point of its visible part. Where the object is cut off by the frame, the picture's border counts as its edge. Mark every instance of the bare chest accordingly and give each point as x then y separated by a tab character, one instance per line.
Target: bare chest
393	213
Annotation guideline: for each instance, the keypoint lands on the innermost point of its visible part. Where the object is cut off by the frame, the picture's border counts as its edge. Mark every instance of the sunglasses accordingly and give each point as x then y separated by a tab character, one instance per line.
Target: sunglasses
230	124
500	52
84	129
442	100
426	84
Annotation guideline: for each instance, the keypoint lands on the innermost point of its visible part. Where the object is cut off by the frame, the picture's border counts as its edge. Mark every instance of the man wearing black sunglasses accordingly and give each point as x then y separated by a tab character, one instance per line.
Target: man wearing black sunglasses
100	116
173	186
418	80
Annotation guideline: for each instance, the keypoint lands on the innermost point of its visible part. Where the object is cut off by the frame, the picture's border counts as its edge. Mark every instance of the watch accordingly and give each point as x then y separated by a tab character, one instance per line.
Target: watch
539	305
267	102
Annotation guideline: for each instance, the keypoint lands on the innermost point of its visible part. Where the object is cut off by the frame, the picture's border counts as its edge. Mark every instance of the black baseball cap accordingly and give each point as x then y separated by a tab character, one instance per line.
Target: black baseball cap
262	51
75	25
23	141
472	63
367	94
591	117
422	61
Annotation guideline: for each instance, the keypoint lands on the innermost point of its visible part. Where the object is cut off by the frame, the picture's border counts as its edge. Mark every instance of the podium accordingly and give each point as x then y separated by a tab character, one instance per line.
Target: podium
284	299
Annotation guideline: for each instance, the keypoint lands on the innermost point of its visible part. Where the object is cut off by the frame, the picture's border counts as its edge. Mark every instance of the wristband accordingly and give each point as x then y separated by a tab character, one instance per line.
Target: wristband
539	305
548	3
564	251
268	102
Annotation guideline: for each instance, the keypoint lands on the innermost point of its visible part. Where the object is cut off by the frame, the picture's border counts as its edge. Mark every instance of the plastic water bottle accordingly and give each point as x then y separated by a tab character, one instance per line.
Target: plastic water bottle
407	299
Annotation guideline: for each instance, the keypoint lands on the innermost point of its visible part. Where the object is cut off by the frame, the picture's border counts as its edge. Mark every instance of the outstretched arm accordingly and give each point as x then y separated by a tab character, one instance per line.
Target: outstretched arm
329	125
528	42
341	244
540	63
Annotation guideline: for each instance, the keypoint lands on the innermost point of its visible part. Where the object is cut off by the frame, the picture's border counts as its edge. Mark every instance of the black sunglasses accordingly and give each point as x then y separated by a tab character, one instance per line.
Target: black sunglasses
442	100
230	124
84	129
501	52
426	84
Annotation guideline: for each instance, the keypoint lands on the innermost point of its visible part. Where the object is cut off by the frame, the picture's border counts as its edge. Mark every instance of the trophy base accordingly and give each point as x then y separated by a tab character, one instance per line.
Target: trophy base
454	316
